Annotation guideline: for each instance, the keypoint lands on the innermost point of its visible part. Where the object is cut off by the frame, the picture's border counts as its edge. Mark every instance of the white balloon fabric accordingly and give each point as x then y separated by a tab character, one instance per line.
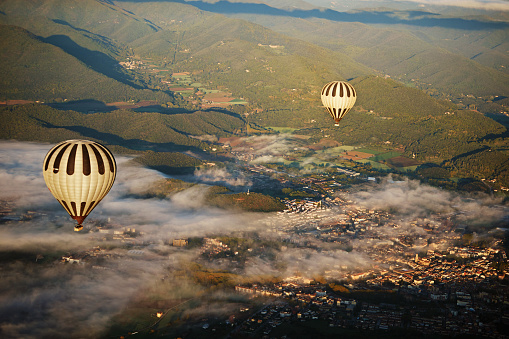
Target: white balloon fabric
79	174
338	97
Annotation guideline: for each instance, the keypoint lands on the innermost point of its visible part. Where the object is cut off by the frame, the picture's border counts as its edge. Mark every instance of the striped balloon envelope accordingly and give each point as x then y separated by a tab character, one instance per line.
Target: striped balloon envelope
338	97
79	174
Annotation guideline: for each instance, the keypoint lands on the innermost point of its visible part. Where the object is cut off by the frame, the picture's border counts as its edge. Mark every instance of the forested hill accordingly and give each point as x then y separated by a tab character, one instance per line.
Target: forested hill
450	52
61	51
37	69
124	131
182	38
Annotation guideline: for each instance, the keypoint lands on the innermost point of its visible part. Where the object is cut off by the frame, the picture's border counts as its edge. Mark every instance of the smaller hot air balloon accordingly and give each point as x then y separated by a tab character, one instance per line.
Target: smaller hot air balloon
79	174
338	97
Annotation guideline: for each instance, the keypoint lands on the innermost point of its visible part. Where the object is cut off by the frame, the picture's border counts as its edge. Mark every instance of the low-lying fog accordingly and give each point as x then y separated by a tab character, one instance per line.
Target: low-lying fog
41	298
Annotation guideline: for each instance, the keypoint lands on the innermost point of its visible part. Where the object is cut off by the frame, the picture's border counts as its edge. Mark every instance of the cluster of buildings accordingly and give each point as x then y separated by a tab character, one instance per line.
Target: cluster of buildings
450	268
442	285
212	247
477	313
90	257
131	64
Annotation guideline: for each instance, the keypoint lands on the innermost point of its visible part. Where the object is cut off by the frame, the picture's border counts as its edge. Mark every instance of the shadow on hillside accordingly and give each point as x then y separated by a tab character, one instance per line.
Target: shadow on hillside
133	144
172	170
224	111
492	137
65	23
415	18
470	153
83	106
97	61
95	106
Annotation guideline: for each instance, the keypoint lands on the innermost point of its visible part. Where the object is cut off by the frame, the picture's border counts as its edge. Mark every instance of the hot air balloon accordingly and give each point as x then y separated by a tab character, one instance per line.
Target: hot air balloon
338	97
79	174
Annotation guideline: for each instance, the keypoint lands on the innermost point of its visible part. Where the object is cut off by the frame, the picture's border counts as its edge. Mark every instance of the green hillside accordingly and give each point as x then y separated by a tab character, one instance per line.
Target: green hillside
136	130
228	52
252	61
391	114
220	196
450	60
33	69
95	16
66	51
158	138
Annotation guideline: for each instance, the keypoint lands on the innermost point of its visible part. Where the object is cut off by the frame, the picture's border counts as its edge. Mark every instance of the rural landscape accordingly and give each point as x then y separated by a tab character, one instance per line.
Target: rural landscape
239	209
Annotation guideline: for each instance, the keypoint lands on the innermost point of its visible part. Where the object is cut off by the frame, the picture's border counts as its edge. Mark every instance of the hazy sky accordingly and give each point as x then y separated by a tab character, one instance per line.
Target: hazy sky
476	4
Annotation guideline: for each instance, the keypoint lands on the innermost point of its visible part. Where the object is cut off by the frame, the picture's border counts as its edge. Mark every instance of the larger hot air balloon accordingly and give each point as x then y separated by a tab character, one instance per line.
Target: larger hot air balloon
79	174
338	97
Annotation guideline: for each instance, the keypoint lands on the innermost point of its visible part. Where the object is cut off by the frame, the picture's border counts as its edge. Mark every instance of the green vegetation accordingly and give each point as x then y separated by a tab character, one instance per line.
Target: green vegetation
216	196
39	70
169	162
154	136
445	62
253	202
56	55
211	277
137	131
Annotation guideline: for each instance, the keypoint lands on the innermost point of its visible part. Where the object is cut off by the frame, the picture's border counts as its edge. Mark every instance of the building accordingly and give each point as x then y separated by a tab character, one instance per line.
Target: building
180	242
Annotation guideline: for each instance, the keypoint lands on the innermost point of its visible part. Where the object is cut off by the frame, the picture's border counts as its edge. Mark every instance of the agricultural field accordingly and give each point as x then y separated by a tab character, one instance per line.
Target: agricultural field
186	84
378	159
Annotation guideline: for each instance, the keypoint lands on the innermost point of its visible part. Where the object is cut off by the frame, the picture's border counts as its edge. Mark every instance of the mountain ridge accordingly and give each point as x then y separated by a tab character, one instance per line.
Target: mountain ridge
278	76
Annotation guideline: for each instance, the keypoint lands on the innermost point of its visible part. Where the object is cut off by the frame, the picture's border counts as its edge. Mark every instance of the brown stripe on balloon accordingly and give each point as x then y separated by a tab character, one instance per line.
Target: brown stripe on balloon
347	90
63	203
72	159
100	162
86	160
341	90
82	208
48	158
58	159
92	204
73	205
328	89
111	161
334	89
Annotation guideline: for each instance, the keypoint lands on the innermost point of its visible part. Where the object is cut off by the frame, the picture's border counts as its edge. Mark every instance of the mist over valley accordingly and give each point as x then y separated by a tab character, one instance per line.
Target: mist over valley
239	210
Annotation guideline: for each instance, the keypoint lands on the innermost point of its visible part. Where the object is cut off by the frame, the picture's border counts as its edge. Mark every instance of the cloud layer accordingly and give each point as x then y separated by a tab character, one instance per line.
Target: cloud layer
490	5
40	297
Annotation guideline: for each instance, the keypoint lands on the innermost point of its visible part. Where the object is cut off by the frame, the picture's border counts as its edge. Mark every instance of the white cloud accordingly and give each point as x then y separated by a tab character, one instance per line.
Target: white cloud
21	179
473	4
228	177
411	198
63	300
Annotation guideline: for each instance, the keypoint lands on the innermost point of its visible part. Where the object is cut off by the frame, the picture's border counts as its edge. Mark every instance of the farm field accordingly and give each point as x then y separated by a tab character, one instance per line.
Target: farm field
378	159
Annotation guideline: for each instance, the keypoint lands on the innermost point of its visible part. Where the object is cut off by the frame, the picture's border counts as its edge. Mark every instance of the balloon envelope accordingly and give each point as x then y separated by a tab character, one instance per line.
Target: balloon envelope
79	174
338	97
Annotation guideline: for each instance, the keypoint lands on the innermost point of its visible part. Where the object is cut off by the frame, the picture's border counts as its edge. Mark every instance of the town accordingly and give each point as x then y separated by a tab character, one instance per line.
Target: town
460	289
351	268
